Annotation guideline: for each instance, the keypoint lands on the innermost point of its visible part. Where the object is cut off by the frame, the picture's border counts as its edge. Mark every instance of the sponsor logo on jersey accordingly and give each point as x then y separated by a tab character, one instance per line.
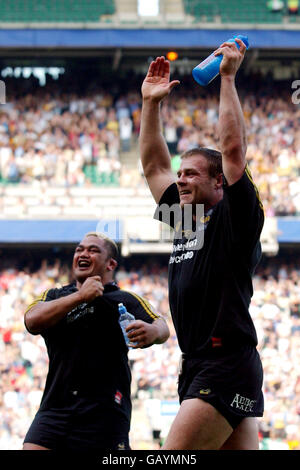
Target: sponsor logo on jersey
79	312
205	219
182	257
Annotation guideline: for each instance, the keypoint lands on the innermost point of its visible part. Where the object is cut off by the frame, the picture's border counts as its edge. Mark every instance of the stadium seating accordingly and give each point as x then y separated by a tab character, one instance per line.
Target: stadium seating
234	11
56	10
100	178
95	11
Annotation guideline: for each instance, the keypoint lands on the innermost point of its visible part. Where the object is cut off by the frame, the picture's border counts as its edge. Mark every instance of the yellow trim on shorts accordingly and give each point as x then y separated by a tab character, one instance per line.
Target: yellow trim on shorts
145	304
41	298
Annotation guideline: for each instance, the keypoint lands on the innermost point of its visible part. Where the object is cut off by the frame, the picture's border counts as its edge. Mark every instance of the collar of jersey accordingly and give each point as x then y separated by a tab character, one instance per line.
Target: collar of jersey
109	287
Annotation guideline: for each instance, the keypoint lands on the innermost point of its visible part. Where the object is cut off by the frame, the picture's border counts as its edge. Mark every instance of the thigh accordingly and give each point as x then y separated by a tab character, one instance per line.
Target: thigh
244	437
197	426
30	446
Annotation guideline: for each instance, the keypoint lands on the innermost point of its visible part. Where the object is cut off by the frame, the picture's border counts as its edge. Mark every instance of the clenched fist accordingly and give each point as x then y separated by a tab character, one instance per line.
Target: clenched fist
91	288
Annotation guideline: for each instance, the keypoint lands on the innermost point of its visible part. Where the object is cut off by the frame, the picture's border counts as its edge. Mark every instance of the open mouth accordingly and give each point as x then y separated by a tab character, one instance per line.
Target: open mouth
184	193
83	264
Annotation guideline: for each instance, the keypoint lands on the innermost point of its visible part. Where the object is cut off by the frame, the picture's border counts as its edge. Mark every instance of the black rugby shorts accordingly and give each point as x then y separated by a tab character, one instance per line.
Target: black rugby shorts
79	430
230	381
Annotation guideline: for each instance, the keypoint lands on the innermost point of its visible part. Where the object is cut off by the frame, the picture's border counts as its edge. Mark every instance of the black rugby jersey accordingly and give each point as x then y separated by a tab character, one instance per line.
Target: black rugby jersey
87	351
210	288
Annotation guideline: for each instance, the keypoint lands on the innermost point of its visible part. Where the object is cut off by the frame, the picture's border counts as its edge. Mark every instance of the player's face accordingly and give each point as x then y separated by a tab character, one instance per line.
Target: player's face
91	258
194	183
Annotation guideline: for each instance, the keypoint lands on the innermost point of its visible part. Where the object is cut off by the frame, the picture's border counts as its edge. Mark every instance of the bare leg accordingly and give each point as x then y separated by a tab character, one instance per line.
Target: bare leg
197	426
244	437
30	446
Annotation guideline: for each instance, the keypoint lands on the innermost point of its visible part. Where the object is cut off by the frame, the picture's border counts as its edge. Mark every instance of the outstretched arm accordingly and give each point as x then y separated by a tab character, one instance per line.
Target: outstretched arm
154	151
232	132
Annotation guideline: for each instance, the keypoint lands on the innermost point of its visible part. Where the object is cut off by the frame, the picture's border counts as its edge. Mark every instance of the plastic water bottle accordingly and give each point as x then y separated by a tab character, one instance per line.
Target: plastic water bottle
125	319
209	68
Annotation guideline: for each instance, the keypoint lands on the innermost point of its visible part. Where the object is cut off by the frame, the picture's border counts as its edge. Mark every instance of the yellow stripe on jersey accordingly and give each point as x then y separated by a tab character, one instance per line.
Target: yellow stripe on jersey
144	304
41	298
248	173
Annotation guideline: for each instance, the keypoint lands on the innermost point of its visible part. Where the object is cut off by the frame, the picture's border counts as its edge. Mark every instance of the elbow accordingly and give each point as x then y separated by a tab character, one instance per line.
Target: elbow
164	332
235	151
32	324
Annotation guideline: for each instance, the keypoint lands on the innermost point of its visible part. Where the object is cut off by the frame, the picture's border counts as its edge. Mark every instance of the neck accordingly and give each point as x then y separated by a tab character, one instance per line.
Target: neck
207	207
105	279
209	204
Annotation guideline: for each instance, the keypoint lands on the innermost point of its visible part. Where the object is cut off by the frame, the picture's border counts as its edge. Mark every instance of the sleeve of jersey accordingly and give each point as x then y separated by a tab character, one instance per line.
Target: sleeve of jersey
47	295
244	208
140	308
168	206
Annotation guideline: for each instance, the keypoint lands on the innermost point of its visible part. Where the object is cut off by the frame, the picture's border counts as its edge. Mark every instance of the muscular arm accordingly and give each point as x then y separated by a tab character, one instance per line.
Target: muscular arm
232	134
44	315
154	151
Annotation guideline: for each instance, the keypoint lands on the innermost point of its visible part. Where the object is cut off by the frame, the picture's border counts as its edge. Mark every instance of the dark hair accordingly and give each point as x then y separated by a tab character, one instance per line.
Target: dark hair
213	157
110	245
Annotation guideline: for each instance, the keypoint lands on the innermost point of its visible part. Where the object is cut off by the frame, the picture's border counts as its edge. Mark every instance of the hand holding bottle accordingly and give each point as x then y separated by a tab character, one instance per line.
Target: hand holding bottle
142	334
232	57
209	68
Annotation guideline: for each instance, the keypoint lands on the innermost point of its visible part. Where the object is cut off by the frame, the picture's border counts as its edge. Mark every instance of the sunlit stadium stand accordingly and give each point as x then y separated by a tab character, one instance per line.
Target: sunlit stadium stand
237	11
56	11
174	13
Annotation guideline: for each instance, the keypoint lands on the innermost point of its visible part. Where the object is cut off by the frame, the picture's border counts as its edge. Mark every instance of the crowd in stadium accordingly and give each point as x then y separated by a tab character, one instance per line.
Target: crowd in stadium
57	138
50	137
275	309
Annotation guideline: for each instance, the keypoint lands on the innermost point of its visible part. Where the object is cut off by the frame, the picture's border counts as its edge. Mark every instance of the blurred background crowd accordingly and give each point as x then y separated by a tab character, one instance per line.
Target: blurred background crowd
61	137
275	310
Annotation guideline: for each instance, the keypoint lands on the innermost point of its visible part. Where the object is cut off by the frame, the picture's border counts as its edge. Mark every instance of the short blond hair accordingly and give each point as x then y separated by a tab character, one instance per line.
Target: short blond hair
110	244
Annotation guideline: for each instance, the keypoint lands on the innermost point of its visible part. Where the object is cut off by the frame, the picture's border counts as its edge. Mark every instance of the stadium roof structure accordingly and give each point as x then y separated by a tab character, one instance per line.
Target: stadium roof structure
71	231
56	231
145	38
136	45
113	28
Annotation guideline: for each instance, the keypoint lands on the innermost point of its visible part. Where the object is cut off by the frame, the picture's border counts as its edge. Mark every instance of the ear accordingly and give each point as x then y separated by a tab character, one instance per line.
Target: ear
219	181
111	264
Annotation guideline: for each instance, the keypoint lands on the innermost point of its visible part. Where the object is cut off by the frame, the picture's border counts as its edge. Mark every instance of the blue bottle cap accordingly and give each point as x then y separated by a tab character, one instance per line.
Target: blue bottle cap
122	308
244	39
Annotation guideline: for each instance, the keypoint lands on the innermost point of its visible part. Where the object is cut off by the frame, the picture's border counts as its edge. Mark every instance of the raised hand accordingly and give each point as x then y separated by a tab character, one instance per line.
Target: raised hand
232	57
157	85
